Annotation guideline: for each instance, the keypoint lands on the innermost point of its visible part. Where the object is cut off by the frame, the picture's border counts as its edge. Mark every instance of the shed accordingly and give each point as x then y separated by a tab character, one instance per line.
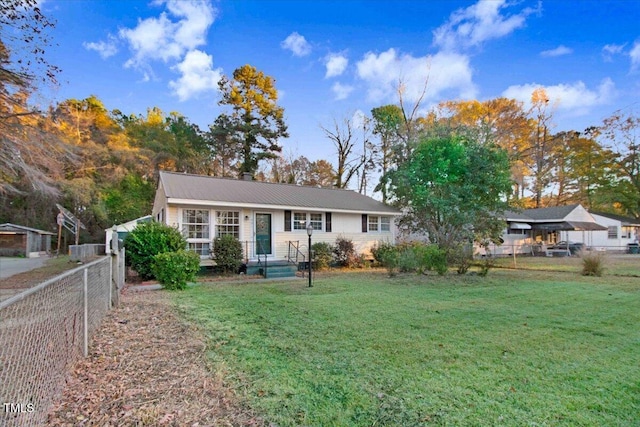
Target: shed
18	240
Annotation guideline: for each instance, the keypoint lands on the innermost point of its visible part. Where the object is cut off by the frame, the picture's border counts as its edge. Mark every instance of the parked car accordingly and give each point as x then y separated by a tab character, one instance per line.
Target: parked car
574	247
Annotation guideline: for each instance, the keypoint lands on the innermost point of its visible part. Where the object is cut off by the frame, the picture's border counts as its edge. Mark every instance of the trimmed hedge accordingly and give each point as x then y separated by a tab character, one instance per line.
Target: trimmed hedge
148	240
175	269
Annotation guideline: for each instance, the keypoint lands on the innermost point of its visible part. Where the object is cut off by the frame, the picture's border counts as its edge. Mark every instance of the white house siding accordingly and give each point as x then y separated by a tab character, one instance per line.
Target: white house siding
346	225
601	239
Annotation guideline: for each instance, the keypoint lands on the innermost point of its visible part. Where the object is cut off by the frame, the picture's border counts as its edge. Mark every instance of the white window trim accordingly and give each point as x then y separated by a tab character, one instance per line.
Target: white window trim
307	216
379	224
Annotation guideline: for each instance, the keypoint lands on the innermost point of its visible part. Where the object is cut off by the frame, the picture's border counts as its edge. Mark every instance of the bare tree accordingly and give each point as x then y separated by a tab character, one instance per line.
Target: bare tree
349	162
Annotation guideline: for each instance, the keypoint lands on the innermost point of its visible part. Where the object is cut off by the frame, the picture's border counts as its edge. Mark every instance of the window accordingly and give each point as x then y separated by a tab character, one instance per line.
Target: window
373	223
228	224
316	221
300	220
195	223
612	232
201	248
379	223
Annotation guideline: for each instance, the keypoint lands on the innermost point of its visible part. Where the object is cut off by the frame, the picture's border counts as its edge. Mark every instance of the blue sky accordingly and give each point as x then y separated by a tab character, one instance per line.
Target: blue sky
334	59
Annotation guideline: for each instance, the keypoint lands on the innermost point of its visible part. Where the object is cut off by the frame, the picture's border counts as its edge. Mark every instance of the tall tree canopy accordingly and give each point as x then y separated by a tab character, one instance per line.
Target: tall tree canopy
453	189
256	121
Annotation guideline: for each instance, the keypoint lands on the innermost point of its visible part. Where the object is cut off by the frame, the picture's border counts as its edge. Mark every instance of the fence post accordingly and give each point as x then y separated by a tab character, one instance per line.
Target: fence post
110	282
86	313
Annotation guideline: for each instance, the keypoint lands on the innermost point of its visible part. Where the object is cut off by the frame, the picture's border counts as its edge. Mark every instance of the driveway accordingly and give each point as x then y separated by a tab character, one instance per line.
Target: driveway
11	266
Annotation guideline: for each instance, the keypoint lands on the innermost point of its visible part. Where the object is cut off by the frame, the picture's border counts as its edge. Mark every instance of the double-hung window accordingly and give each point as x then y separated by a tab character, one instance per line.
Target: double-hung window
195	227
300	220
228	224
379	223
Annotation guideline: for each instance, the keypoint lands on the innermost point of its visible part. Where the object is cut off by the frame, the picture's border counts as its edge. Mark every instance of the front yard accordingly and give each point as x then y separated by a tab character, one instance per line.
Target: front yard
515	348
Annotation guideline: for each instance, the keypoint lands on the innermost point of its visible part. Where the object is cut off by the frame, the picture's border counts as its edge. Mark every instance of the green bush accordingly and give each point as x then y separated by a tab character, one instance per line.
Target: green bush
408	257
322	255
386	254
592	264
461	257
381	251
227	252
432	258
175	269
148	240
345	253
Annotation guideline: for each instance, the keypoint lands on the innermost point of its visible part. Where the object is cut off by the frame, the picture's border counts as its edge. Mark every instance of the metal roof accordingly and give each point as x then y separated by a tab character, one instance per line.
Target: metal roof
186	187
14	227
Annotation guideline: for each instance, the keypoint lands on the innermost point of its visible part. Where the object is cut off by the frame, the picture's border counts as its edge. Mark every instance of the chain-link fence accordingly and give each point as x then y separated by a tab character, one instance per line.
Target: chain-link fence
43	331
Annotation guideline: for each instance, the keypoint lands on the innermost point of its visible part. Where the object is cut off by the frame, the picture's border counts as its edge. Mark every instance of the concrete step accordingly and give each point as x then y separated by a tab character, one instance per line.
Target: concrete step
275	268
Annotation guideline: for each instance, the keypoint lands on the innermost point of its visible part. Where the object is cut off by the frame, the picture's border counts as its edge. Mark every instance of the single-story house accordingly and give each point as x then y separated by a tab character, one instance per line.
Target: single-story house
620	232
530	231
18	240
269	219
123	230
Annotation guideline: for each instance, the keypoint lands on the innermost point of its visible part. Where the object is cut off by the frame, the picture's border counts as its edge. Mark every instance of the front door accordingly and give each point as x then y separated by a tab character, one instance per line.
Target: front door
263	234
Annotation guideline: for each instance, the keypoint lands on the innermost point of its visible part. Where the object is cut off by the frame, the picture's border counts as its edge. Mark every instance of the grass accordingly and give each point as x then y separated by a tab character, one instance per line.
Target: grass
361	349
614	264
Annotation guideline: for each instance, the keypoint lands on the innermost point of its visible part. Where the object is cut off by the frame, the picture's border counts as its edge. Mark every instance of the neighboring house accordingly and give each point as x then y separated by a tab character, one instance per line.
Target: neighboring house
123	230
532	230
18	240
269	219
619	233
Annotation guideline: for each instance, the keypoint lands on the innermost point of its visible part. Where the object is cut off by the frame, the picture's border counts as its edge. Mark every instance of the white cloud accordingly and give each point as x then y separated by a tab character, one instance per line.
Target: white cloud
559	51
336	63
611	49
444	71
341	91
170	35
635	56
296	44
104	49
198	75
478	23
575	98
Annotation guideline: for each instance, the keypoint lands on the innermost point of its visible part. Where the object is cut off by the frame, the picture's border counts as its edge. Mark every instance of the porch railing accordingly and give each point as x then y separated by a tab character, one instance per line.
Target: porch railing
294	253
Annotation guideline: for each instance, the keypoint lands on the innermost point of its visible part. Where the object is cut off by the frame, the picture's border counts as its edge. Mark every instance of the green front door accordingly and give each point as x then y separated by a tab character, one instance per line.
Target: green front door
263	234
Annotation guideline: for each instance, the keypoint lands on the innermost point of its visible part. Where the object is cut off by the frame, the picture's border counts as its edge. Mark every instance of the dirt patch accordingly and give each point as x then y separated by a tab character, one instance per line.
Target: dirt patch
146	366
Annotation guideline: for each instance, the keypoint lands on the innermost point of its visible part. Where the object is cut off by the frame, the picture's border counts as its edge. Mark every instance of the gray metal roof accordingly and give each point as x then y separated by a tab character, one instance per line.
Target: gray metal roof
235	191
14	227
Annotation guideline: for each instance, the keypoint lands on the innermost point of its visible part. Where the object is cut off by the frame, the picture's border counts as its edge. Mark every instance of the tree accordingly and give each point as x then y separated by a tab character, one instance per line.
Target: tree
30	157
256	121
453	189
622	130
499	121
542	150
349	162
387	121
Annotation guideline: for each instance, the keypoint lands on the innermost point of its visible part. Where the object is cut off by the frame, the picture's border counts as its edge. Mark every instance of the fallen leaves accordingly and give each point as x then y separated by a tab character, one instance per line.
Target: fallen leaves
147	367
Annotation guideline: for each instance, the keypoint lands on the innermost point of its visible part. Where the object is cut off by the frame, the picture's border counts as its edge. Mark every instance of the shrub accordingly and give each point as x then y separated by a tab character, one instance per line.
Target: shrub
175	269
408	258
322	255
592	264
461	257
345	252
148	240
227	252
432	258
386	254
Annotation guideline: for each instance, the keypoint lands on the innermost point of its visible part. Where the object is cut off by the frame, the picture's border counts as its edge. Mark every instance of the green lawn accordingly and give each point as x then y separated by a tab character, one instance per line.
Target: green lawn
518	348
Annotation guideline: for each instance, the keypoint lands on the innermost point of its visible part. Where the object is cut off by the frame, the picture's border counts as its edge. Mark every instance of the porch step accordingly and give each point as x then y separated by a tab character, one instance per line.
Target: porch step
274	269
